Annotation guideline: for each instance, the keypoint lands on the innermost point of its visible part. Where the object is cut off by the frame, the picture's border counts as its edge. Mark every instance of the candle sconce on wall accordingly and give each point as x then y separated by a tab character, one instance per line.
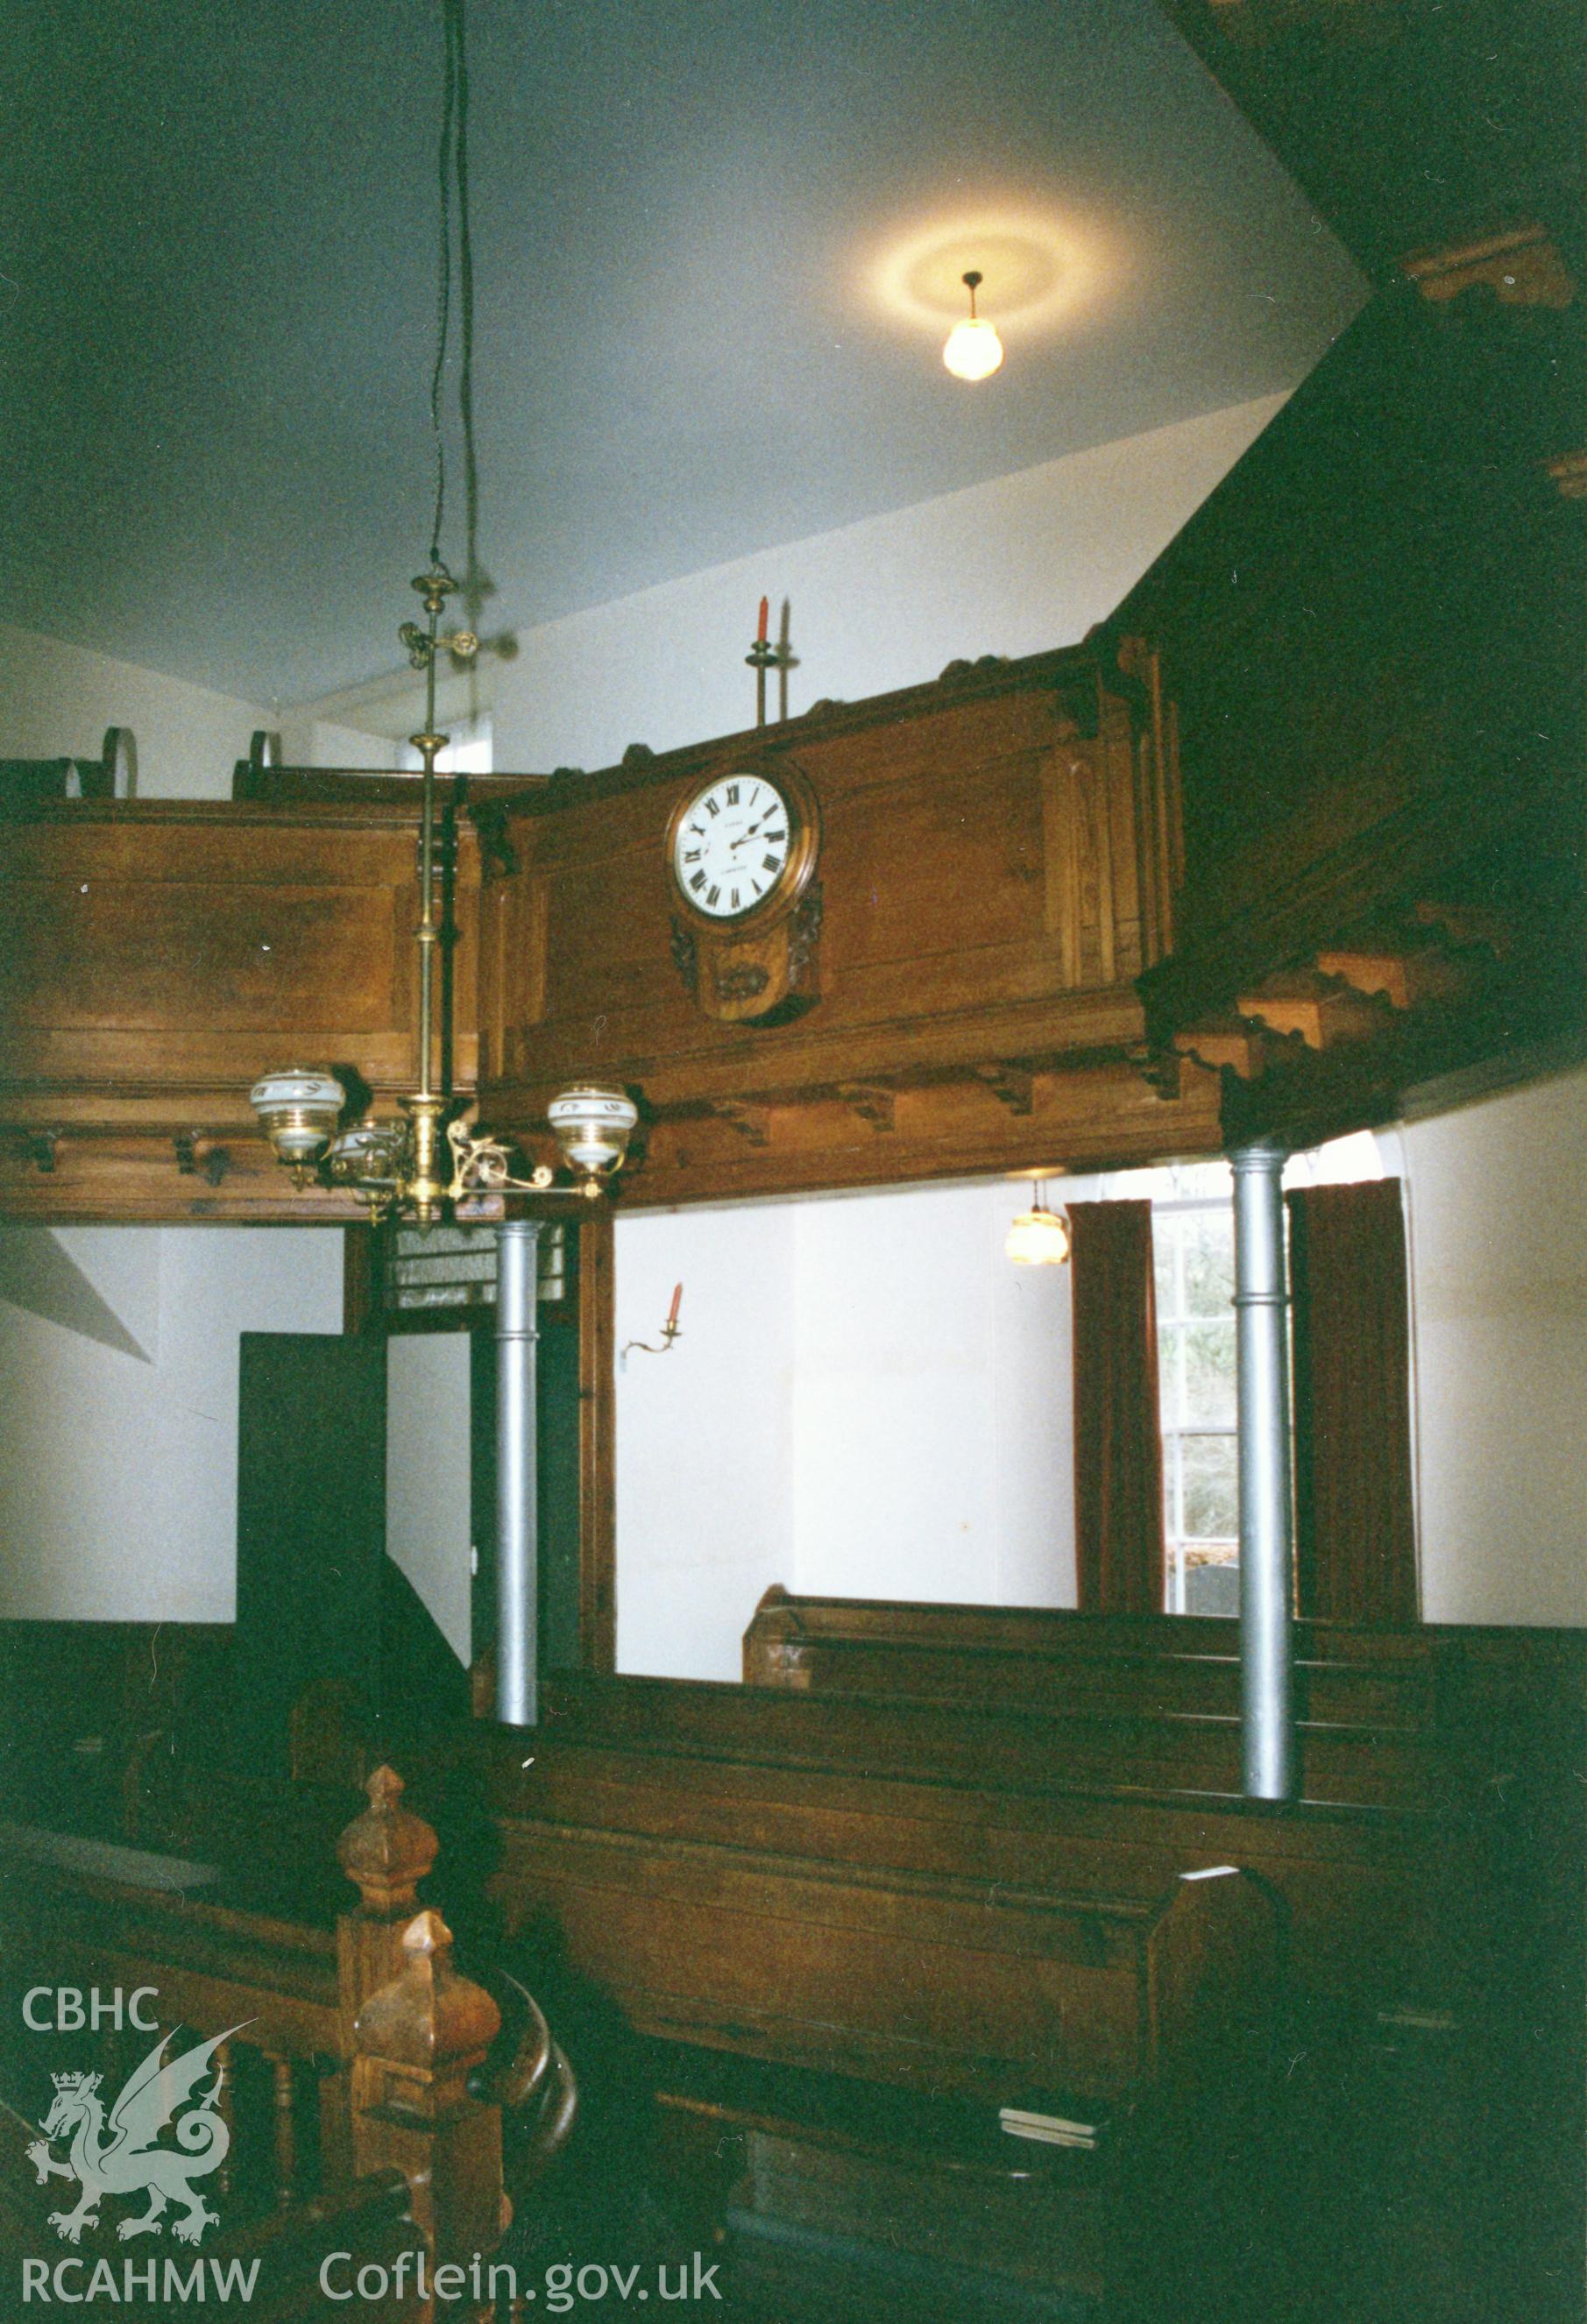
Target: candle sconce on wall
671	1330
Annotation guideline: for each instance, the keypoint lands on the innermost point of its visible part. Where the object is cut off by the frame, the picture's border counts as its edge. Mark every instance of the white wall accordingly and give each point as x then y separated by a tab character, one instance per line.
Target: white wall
868	1399
932	1428
1014	567
56	700
428	1483
1496	1201
118	1469
704	1433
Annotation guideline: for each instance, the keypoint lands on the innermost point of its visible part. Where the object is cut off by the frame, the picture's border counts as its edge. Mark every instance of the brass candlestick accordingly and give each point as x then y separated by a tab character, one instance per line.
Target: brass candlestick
787	660
760	658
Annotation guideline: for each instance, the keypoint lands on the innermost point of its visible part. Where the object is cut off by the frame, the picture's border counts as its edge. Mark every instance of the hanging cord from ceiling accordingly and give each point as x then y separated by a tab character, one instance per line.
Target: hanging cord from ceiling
466	319
453	172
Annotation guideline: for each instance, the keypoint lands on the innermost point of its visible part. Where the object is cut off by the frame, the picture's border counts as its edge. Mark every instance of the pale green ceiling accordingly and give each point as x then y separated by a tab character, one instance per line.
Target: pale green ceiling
219	223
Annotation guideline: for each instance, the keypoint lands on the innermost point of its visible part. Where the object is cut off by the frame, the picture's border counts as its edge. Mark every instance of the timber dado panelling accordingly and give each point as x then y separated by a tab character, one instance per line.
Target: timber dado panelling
156	957
999	859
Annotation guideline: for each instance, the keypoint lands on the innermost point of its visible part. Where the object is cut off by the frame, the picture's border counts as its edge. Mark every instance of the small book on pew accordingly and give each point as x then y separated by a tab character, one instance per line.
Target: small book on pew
1047	2129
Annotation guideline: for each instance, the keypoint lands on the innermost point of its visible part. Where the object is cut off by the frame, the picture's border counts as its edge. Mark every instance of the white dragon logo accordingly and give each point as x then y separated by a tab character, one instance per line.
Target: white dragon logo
127	2162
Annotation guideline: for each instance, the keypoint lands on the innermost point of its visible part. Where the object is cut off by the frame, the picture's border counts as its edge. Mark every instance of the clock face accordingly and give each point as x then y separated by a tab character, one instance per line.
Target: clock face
731	846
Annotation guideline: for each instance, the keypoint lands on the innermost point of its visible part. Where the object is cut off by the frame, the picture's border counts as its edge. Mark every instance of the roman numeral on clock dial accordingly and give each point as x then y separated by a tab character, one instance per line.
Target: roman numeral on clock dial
732	845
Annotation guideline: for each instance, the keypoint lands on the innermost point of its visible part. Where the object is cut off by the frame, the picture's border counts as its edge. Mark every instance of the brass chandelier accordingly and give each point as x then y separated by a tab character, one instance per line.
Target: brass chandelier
418	1164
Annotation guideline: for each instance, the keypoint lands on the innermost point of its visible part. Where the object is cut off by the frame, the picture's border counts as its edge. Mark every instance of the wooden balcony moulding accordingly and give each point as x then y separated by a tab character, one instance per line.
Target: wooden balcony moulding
992	857
137	1179
1000	852
1082	1116
158	956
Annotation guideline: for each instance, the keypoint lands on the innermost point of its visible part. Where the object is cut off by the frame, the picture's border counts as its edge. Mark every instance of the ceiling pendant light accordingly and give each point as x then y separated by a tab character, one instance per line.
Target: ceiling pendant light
418	1164
1038	1236
973	349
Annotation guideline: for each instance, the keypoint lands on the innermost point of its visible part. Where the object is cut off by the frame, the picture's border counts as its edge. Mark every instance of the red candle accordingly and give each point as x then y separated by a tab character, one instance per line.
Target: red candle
765	610
677	1296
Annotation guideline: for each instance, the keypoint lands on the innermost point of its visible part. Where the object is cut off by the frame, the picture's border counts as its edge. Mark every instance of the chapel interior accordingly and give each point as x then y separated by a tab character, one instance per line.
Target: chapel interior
793	1292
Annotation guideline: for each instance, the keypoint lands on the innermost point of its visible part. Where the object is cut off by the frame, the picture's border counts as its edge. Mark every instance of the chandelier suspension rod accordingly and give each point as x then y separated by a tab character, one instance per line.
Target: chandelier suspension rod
428	743
419	1166
452	170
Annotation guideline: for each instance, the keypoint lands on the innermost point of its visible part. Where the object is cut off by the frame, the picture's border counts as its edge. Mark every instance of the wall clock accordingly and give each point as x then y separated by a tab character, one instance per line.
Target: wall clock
742	850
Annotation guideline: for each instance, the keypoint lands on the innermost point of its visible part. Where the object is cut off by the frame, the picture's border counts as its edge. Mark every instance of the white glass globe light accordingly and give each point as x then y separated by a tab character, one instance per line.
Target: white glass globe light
1038	1238
974	350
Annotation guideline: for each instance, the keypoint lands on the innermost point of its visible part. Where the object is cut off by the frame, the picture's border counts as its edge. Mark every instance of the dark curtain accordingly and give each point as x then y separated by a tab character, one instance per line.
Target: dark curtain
1118	1449
1355	1535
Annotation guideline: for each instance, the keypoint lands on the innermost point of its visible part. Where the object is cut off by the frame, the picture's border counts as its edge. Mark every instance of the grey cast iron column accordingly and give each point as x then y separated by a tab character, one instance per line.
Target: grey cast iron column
1267	1553
517	1442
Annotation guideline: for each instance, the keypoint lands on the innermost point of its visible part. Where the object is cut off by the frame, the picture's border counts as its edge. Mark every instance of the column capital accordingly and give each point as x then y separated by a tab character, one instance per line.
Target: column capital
1260	1154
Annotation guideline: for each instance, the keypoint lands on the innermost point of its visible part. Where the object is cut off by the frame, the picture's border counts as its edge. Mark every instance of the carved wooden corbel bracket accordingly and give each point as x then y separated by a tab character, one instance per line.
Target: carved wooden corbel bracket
194	1153
1236	1045
873	1101
752	1122
1322	1010
1468	926
1012	1085
1164	1071
1403	976
1569	471
1521	266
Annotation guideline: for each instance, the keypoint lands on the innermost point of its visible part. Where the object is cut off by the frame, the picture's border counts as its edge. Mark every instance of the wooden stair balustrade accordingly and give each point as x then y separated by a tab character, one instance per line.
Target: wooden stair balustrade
272	2263
346	2053
385	1852
415	2043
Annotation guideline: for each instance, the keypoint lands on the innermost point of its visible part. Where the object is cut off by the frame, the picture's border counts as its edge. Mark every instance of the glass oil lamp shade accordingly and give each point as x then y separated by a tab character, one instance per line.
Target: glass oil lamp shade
973	350
593	1126
298	1110
1038	1238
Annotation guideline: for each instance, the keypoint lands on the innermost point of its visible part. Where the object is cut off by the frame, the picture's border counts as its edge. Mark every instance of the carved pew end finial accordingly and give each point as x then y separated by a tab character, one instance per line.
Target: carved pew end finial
387	1850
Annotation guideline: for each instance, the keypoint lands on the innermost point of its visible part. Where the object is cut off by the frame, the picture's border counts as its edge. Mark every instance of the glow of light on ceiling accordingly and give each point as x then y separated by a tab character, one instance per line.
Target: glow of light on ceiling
1038	269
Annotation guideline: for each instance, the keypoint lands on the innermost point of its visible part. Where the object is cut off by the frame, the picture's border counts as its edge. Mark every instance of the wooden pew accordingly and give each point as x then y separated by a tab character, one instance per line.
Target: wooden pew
1439	1714
1054	1659
921	1792
839	1988
817	1932
798	1902
1126	1749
